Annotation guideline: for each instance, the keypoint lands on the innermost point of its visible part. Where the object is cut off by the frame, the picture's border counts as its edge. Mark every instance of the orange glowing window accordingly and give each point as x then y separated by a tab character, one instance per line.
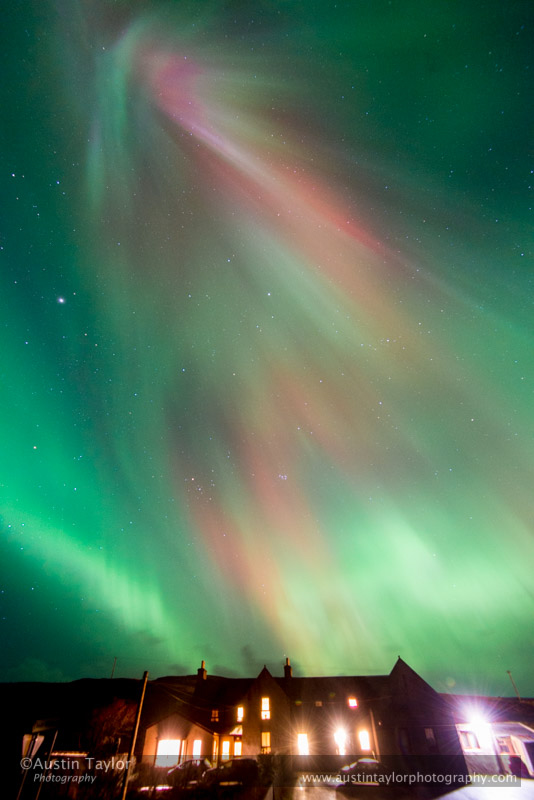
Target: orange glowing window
365	741
352	702
238	747
240	713
340	738
168	752
265	741
302	743
265	708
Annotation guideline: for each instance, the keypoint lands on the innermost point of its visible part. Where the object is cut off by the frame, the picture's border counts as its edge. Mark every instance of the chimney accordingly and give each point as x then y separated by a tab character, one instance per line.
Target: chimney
288	672
201	673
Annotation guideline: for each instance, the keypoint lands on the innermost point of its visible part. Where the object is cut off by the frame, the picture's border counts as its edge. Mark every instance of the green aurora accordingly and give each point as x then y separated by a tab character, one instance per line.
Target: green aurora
267	358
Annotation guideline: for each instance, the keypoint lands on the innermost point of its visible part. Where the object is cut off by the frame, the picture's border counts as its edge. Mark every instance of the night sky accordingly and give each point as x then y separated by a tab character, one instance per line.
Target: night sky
267	358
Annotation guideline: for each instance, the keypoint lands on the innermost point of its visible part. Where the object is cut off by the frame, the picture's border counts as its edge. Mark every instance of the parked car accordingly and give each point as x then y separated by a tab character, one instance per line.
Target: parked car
238	772
189	773
362	772
363	766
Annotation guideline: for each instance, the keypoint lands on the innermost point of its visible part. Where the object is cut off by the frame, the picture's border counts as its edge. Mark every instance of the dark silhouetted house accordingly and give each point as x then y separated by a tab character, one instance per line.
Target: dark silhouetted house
315	722
348	716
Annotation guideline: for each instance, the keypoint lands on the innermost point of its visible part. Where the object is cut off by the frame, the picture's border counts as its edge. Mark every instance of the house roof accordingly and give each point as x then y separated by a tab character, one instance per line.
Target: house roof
518	729
204	691
214	690
335	688
494	709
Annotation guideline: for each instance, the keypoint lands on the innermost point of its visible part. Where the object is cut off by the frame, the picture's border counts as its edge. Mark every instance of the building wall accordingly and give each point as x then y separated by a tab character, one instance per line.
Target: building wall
277	725
176	728
399	714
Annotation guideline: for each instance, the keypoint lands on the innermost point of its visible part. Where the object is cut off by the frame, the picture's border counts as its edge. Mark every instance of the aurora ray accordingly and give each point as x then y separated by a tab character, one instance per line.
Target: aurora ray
274	381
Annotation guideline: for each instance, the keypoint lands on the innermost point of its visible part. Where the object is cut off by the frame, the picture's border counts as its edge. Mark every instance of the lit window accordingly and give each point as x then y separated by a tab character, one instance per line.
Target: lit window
265	741
365	741
168	752
481	737
302	742
340	738
197	748
469	740
238	747
353	703
240	713
319	703
265	708
214	750
225	750
214	714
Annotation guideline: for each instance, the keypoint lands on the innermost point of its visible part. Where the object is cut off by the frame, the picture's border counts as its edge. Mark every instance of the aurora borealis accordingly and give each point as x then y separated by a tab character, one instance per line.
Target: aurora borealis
267	360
